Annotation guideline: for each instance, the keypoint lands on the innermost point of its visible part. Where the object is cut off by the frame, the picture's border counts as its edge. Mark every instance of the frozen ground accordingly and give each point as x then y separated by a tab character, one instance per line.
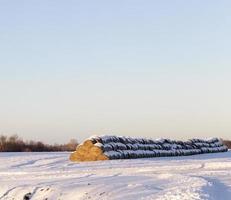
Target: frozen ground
51	176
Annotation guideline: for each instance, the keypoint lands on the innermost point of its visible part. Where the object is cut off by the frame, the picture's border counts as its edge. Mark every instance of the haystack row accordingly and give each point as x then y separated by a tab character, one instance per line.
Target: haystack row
118	147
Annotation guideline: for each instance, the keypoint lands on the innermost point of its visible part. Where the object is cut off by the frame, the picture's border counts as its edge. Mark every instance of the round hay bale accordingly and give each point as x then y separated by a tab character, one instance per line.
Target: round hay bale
102	157
90	157
82	153
82	147
88	143
95	150
75	156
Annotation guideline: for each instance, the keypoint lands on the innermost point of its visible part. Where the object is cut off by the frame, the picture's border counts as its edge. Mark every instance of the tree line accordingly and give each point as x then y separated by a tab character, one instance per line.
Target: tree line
15	144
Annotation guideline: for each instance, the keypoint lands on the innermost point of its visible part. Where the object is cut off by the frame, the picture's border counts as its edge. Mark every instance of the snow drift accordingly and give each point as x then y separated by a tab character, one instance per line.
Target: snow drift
119	147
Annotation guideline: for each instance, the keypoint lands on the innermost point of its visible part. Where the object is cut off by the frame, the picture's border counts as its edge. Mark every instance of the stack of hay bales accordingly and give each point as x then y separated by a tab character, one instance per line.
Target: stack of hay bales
118	147
89	150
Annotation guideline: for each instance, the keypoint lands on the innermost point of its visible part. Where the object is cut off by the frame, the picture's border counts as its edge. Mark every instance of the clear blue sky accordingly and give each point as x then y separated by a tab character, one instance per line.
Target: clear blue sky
70	69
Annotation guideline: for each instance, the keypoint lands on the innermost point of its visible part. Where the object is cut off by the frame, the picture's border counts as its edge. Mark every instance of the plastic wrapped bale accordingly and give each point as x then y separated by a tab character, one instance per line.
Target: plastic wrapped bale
113	147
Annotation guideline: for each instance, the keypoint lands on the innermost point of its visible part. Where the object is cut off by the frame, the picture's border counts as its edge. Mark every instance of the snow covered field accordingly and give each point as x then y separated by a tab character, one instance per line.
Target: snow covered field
46	176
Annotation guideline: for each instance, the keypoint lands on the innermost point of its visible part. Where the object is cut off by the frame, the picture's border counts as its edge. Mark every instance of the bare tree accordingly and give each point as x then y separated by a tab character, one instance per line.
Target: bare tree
16	144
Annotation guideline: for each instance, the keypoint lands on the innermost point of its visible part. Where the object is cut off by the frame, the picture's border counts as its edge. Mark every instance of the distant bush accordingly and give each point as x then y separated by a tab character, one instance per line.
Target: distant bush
15	144
227	143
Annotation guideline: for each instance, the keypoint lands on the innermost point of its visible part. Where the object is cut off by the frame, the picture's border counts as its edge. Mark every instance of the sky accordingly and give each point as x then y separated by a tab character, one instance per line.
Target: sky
71	69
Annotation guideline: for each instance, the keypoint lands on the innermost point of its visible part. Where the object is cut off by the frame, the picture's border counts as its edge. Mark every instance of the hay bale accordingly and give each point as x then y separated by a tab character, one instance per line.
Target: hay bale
89	157
96	150
88	143
75	156
102	157
82	149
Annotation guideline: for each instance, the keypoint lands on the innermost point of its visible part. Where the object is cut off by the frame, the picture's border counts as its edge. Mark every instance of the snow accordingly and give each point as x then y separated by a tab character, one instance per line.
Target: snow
52	176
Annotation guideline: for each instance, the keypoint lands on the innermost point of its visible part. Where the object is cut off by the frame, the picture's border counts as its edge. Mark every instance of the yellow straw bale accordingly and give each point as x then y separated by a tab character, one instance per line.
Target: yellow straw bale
88	143
82	152
89	157
102	157
81	149
95	150
75	156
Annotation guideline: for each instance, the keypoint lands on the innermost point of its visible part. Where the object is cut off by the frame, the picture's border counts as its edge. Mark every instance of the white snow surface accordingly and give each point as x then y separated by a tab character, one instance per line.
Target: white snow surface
51	176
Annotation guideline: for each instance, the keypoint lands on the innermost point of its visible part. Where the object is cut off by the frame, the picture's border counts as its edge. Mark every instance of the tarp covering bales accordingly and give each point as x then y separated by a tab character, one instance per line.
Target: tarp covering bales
119	147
